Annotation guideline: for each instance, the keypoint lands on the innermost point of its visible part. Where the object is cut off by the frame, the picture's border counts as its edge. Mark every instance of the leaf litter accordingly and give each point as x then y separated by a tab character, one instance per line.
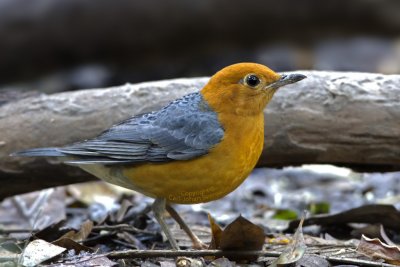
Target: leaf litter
90	225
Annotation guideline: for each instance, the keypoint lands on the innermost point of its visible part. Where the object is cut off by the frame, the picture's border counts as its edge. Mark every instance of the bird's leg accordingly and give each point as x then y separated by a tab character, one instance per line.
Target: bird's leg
159	209
197	243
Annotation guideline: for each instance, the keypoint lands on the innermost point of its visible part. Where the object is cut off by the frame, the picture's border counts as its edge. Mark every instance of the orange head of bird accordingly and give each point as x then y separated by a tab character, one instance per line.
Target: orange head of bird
245	88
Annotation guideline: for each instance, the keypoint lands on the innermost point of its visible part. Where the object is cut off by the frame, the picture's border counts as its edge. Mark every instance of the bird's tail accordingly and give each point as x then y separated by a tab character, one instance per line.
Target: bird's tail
39	152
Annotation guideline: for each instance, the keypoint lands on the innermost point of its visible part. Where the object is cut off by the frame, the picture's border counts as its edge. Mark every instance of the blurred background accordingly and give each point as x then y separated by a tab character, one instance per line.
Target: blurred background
53	46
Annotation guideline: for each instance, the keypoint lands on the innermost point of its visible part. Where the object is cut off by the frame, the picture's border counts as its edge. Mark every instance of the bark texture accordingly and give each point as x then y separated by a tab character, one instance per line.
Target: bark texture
348	119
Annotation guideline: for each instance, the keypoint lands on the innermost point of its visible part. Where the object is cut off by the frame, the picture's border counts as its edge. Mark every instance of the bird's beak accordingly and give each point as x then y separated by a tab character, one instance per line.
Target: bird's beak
285	79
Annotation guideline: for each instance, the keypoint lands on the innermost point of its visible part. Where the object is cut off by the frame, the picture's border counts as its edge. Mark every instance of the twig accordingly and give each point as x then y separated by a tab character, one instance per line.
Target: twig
186	253
220	253
366	263
16	231
123	227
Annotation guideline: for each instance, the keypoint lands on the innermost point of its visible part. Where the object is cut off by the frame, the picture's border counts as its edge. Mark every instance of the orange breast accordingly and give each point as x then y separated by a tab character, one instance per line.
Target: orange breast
208	177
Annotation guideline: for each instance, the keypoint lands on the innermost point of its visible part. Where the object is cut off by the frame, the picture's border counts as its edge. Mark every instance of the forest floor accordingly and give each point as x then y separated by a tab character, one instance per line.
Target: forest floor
350	220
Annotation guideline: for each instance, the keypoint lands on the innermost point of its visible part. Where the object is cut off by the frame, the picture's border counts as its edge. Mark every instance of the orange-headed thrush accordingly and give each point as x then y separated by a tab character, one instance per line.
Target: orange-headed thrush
198	148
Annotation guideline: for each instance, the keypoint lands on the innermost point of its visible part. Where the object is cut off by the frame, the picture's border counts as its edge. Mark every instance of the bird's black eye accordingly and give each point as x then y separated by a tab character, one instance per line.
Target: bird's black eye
252	80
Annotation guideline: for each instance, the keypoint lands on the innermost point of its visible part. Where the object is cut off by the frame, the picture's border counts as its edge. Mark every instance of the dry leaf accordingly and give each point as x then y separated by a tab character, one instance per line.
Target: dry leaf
242	234
375	249
294	251
82	234
39	251
216	232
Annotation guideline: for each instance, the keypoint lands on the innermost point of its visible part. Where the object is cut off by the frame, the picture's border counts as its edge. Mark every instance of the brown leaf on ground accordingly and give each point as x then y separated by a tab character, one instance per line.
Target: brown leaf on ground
82	234
376	249
216	233
240	235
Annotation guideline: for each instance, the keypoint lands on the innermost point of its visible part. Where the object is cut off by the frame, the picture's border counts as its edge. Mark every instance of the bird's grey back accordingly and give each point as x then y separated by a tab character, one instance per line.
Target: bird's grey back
185	129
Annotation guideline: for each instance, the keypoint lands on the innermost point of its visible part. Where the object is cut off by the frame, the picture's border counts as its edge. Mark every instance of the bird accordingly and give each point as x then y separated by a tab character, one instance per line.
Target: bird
196	149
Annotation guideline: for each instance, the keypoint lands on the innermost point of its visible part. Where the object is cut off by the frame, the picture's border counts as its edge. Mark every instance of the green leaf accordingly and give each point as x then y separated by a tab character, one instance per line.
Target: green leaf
285	215
319	208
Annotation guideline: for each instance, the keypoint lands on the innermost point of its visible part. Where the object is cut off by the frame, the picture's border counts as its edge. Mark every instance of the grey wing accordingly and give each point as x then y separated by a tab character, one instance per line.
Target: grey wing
183	130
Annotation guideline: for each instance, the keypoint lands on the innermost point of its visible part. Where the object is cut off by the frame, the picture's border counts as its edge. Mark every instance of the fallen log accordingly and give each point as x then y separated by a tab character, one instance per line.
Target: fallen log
347	119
